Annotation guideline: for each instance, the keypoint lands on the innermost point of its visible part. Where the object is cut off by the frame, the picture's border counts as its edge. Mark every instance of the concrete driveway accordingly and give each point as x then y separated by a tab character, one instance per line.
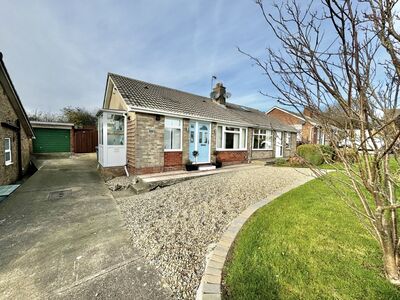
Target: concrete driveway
62	236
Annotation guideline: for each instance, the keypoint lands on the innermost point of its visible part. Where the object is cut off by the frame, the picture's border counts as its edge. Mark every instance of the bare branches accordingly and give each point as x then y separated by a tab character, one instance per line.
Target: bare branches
344	57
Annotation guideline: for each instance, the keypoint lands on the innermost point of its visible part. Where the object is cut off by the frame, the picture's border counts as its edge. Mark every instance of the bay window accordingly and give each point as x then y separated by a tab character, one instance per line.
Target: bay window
173	134
262	139
231	138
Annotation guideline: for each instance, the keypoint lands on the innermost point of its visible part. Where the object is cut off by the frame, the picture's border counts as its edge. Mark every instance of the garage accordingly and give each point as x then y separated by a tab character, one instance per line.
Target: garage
52	137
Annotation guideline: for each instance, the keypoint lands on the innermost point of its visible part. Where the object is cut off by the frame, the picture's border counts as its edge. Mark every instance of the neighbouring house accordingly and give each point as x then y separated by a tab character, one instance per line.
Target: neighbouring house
53	137
15	131
308	130
148	128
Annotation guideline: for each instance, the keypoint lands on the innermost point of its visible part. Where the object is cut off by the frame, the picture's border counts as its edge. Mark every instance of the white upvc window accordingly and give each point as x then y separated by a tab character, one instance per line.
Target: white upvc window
7	151
262	139
231	138
173	134
288	139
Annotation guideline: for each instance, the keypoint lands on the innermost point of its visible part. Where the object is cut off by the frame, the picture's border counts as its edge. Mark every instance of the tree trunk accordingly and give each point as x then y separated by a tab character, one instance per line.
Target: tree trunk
390	261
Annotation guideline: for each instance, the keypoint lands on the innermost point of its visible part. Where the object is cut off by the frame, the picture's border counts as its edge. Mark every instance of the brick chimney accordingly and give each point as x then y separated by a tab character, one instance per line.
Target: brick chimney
307	112
218	93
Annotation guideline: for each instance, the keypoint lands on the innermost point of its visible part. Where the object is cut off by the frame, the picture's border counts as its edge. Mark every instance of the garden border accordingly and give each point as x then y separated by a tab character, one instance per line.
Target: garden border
210	285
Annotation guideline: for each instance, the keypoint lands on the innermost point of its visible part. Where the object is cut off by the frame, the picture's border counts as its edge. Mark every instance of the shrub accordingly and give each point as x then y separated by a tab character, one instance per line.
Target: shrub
328	153
296	161
311	153
280	162
349	154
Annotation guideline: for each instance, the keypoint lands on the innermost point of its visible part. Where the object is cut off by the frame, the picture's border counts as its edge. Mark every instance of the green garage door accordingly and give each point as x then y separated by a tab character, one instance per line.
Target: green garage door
51	140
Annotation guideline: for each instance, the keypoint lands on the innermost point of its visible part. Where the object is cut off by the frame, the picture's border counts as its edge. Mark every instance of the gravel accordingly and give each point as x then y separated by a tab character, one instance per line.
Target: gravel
178	225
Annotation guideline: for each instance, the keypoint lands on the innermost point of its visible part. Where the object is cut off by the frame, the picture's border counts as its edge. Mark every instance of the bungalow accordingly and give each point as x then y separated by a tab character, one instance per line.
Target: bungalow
15	131
147	128
308	130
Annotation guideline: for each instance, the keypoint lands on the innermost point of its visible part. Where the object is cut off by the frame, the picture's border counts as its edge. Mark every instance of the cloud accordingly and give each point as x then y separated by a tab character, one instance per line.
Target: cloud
58	53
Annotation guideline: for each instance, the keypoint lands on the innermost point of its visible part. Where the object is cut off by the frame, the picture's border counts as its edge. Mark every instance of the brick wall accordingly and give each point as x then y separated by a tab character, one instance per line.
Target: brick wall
285	117
9	174
173	161
307	133
232	157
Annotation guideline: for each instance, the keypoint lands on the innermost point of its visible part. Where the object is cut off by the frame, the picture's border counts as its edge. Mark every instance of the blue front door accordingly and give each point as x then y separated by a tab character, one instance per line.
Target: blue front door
199	142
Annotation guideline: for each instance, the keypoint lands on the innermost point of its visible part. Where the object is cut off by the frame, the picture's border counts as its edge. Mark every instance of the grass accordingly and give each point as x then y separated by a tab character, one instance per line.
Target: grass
307	244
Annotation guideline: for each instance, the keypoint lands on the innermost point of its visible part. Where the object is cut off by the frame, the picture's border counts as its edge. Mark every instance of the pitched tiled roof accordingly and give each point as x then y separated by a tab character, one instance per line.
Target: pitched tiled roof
143	95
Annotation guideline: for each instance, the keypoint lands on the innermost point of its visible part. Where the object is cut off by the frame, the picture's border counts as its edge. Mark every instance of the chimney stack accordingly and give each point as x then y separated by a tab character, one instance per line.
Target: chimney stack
219	92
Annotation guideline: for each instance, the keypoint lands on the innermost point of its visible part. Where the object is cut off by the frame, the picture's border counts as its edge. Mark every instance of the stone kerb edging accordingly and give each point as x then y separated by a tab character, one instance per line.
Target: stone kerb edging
210	285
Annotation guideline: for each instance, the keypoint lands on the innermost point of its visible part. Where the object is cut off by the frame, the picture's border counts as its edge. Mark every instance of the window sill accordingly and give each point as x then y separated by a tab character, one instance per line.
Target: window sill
172	150
9	163
262	149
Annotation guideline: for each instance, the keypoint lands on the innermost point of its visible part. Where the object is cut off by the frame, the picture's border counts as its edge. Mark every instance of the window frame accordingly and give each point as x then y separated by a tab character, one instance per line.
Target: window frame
223	140
174	127
9	150
263	134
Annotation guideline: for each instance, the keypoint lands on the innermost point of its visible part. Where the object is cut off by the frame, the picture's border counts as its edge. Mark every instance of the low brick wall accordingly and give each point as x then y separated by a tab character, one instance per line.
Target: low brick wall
232	157
172	161
146	170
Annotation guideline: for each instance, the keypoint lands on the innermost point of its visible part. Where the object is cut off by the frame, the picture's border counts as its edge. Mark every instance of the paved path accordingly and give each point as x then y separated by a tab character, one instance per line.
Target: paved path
72	245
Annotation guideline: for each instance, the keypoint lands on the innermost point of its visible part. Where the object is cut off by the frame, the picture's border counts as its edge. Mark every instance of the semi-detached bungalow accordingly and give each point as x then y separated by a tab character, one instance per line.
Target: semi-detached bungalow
148	128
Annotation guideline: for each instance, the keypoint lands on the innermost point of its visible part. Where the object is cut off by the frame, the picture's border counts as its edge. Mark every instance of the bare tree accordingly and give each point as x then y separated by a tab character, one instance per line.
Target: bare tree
344	56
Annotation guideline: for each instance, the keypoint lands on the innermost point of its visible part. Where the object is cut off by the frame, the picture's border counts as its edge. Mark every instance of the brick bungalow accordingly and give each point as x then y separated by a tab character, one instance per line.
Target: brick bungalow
15	131
308	130
149	128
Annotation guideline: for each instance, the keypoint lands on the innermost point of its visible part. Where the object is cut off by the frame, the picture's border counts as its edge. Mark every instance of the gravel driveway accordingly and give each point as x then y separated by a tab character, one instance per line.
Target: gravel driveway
176	226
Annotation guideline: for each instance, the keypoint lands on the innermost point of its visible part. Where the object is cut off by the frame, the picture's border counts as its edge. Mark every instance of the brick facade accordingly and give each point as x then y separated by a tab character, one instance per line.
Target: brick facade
307	129
9	174
285	117
232	157
173	161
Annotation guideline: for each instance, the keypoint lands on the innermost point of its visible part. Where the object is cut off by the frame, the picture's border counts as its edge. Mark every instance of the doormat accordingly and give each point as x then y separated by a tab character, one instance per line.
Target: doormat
57	195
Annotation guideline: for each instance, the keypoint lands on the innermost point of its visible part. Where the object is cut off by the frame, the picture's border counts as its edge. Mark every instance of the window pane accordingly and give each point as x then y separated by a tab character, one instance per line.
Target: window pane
232	129
236	141
268	140
167	138
263	142
219	137
8	156
176	139
243	139
229	140
172	123
7	143
255	142
115	130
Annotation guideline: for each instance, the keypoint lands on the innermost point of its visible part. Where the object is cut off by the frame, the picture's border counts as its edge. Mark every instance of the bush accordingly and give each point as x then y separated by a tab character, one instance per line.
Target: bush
328	153
349	154
311	153
280	161
296	161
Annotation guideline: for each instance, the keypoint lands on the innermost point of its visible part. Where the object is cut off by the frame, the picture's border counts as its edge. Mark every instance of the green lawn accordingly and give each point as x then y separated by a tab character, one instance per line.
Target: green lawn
306	245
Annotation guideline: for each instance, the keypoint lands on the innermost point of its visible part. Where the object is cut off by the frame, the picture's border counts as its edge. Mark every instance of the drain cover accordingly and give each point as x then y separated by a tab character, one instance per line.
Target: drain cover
56	195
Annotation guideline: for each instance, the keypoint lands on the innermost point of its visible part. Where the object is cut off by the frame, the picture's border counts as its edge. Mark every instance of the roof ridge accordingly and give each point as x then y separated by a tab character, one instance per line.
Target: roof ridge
160	86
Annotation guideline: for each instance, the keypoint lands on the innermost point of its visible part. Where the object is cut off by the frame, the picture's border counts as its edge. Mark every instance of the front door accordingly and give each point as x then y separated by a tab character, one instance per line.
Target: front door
278	144
199	142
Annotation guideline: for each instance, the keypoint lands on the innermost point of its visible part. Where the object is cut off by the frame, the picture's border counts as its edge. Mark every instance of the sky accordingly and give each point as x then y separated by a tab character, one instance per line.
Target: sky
58	53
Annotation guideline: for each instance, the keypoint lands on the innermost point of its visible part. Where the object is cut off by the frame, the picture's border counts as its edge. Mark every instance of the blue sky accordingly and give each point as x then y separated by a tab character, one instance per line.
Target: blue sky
58	53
